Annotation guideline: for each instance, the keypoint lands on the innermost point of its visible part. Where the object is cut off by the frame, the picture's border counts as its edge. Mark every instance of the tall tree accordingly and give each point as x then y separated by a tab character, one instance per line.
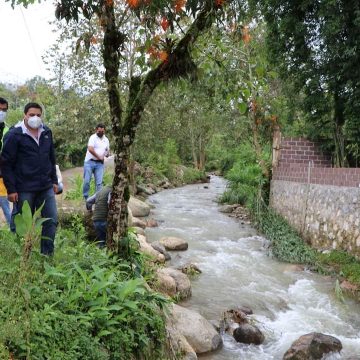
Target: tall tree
316	45
182	24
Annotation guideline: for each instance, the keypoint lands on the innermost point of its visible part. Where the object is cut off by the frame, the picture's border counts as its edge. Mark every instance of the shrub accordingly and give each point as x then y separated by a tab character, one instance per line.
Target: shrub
82	304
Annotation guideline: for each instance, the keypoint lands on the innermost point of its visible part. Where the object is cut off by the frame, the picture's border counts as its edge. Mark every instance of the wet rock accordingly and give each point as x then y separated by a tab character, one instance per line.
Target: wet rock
312	346
182	282
151	223
139	230
138	223
199	333
226	209
348	286
248	334
138	208
190	269
178	343
146	248
174	243
161	248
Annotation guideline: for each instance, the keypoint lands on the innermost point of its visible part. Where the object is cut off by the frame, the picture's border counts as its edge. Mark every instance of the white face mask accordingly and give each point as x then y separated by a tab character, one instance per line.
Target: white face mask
34	122
2	116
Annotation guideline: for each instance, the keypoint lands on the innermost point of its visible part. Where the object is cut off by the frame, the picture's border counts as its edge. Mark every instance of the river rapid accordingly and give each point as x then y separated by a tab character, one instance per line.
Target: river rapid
237	271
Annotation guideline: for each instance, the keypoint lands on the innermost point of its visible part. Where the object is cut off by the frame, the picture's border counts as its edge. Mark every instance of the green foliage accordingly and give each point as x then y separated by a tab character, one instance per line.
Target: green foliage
163	162
75	192
314	46
83	304
192	175
342	263
286	243
245	176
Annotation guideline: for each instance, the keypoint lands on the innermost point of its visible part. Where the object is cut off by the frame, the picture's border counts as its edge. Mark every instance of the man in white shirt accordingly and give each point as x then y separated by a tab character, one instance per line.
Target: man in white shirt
98	148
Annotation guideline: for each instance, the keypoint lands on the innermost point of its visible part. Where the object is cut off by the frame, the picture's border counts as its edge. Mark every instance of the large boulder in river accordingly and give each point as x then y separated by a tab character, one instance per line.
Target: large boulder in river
173	282
138	208
174	243
248	334
146	248
312	346
161	248
198	332
178	343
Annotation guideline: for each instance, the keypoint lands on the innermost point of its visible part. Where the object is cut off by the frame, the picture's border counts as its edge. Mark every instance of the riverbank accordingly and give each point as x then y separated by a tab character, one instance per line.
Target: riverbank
288	246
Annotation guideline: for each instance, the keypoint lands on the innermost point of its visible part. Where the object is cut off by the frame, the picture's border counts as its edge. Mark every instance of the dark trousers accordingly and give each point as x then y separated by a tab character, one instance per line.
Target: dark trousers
100	229
35	200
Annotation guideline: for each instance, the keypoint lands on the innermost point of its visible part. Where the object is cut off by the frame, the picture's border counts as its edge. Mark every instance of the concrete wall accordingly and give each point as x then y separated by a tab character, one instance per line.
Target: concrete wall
321	202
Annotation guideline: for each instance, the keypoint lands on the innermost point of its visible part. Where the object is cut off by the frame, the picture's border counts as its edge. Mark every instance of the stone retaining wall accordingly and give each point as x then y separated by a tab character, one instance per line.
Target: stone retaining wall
321	202
327	217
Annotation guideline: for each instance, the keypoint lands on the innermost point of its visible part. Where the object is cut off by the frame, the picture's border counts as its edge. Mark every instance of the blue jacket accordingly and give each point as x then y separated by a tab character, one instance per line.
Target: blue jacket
25	165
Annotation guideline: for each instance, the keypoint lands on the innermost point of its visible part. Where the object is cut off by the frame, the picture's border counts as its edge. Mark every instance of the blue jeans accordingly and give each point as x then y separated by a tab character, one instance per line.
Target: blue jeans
35	200
96	168
100	229
4	204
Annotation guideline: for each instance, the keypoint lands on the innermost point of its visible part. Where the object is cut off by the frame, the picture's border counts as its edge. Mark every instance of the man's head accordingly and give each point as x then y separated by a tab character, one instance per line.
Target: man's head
3	109
100	130
32	118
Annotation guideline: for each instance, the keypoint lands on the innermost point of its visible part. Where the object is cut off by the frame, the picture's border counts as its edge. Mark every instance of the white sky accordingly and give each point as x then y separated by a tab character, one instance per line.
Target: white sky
25	35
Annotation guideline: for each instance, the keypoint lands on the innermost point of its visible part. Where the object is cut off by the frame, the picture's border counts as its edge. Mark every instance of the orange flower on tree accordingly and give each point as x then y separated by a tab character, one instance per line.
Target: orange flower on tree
93	40
133	3
163	55
245	34
164	23
179	4
219	3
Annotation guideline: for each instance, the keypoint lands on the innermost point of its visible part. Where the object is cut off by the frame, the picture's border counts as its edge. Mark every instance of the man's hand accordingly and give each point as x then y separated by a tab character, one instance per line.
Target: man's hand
13	197
55	187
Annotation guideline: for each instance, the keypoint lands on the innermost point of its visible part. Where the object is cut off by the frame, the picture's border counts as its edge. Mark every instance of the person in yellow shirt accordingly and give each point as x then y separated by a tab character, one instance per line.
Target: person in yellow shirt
4	203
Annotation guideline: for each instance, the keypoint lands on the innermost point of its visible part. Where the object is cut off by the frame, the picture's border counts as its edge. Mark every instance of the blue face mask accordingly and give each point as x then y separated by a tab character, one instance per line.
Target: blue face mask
2	116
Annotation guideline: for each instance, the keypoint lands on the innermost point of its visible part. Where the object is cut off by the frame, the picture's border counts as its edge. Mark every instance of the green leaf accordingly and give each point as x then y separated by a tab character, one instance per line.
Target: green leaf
242	108
103	333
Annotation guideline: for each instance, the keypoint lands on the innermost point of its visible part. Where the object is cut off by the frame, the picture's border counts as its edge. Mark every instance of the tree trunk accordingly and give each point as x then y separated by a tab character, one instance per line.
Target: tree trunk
179	63
118	215
201	154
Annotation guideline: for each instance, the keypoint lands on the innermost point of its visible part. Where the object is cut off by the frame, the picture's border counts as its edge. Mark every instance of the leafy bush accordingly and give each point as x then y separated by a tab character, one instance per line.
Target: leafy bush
286	243
192	175
245	177
81	304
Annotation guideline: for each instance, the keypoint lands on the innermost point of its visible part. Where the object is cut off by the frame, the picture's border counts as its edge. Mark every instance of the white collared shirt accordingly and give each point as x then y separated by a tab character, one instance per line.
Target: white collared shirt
100	145
25	130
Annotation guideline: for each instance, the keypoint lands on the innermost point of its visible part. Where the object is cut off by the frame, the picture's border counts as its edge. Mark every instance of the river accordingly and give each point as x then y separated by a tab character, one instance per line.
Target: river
237	271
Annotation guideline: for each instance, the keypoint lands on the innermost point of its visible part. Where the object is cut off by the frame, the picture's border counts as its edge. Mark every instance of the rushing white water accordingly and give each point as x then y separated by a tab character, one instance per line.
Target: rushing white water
237	271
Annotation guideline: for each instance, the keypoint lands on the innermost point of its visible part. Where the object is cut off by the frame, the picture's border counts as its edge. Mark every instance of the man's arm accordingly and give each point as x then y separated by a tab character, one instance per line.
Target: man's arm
93	152
8	160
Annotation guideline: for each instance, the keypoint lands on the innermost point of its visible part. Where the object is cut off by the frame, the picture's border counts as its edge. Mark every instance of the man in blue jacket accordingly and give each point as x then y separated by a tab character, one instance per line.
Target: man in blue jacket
28	168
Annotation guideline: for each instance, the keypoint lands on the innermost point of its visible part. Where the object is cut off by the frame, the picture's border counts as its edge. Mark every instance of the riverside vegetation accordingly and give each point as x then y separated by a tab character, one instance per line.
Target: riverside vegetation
82	304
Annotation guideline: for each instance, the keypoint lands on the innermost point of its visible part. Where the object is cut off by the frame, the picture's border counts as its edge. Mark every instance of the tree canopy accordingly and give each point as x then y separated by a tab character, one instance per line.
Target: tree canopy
316	45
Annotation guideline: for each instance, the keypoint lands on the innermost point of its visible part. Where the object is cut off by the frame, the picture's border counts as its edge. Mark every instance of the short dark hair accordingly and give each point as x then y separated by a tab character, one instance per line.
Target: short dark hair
32	105
100	126
4	102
